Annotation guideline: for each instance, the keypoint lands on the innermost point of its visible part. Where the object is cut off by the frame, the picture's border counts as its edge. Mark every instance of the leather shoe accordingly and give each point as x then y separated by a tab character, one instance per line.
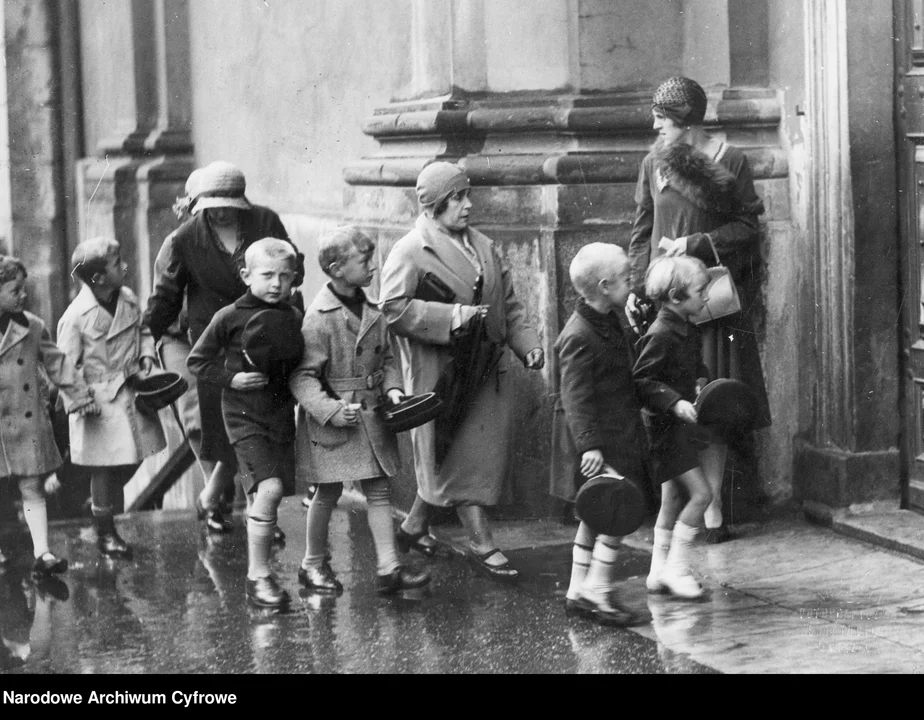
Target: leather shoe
401	579
321	578
714	536
407	542
52	587
577	608
265	592
113	545
504	571
604	610
215	521
49	564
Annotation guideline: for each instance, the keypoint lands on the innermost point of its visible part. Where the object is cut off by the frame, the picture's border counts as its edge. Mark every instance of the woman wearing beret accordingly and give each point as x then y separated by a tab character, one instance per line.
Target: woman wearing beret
698	191
475	290
202	264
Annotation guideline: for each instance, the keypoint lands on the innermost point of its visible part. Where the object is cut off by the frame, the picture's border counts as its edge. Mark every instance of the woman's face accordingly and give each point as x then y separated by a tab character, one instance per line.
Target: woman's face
455	217
668	130
223	216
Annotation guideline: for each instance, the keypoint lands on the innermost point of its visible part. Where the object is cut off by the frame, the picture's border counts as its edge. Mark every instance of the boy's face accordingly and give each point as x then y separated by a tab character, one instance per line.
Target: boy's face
357	268
614	285
115	272
13	295
269	279
697	294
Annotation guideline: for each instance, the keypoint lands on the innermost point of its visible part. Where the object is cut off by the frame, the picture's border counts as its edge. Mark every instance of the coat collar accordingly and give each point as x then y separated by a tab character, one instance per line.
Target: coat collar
249	301
326	301
673	322
438	241
15	334
126	314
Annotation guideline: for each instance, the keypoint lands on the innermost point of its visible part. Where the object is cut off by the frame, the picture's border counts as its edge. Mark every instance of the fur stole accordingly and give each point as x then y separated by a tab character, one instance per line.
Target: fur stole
707	184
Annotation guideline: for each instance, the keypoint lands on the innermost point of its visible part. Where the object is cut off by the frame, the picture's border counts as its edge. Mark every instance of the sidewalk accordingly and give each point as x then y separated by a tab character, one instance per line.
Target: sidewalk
786	596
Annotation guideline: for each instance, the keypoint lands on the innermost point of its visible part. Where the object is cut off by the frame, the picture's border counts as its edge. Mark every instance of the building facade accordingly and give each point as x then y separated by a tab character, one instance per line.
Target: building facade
331	108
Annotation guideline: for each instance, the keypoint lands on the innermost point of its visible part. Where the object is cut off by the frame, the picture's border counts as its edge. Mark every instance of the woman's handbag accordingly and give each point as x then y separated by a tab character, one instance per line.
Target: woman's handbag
723	295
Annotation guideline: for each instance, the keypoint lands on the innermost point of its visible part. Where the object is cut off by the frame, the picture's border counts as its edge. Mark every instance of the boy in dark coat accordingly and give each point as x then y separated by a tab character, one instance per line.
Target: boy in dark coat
260	338
597	415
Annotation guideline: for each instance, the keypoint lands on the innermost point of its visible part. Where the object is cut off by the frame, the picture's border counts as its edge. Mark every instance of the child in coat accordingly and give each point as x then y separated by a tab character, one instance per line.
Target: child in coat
28	451
348	363
249	349
106	344
668	373
602	415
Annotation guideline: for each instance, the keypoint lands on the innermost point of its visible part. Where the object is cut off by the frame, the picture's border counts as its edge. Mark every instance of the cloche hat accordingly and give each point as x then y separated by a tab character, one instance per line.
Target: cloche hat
221	184
438	181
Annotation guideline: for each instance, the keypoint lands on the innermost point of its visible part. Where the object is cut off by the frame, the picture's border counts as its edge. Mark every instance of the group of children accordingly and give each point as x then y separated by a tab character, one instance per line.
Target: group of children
338	367
331	370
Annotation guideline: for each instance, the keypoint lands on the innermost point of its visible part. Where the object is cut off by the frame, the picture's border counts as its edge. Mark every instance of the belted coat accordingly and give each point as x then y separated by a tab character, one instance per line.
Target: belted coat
352	358
105	350
27	442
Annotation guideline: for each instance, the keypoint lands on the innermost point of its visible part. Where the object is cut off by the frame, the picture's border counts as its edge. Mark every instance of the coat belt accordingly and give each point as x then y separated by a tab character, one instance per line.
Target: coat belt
365	382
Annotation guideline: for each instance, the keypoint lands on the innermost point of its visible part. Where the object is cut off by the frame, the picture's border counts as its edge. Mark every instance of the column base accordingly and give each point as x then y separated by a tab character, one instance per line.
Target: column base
836	478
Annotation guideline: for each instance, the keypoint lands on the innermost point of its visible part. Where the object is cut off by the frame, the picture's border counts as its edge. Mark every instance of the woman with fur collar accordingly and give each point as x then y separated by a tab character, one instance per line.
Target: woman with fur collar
697	190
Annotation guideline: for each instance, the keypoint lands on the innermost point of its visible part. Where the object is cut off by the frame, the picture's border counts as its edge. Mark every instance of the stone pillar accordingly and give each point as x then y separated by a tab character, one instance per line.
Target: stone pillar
849	454
543	108
137	116
6	210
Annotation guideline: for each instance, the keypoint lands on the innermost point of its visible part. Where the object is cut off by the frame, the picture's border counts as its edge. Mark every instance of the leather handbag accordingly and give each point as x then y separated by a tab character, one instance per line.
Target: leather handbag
723	294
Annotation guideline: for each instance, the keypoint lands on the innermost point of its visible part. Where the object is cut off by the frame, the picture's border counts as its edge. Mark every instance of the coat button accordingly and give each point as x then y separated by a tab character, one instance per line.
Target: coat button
19	361
26	387
359	351
28	414
378	349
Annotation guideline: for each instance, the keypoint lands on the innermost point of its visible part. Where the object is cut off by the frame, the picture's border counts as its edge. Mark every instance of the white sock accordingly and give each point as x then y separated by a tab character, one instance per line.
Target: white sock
600	577
581	553
37	519
659	550
259	547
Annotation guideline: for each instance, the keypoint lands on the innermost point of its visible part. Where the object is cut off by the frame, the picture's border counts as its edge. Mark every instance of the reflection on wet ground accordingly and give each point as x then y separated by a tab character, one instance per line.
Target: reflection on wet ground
179	607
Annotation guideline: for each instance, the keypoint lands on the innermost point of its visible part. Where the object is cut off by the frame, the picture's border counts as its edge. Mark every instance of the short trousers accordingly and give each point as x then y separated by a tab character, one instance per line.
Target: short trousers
260	458
675	448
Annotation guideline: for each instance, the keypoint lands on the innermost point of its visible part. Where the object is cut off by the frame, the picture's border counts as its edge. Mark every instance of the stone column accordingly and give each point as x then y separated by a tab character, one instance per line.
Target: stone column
541	104
851	180
6	210
137	115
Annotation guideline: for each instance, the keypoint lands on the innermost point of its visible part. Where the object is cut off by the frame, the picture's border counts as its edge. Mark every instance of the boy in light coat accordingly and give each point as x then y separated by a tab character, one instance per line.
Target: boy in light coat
348	365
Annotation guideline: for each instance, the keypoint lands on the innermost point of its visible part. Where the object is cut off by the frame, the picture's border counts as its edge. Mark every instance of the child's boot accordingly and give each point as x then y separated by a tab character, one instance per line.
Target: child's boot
108	540
677	574
659	550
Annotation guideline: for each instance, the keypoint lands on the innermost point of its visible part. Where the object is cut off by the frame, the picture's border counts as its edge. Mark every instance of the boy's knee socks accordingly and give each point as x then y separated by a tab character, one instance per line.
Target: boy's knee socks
259	546
601	575
317	524
36	513
581	553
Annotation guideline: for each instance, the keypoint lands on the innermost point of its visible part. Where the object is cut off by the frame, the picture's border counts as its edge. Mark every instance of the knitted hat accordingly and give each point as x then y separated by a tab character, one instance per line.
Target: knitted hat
682	100
221	184
438	181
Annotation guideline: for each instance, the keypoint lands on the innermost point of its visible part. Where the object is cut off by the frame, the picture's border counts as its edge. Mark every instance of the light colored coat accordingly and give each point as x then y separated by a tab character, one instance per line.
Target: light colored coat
27	442
476	465
106	350
338	345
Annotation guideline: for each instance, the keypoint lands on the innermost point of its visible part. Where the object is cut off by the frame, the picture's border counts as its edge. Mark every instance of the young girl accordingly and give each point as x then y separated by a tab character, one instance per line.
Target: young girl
667	374
28	451
102	335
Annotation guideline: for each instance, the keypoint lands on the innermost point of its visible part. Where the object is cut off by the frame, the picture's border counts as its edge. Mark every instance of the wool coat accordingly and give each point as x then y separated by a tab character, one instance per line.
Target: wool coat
342	351
106	350
597	407
476	465
27	442
683	193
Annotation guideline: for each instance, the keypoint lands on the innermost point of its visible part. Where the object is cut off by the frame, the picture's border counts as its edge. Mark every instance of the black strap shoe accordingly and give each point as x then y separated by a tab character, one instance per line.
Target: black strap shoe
49	564
321	579
504	571
215	521
265	592
401	579
112	545
407	542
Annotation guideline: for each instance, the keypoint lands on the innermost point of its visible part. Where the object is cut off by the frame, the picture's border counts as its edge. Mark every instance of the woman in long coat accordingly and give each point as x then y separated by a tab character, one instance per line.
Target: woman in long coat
203	265
698	191
442	248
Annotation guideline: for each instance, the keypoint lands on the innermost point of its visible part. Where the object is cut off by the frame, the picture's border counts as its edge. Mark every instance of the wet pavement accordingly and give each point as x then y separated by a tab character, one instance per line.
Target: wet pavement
784	597
179	607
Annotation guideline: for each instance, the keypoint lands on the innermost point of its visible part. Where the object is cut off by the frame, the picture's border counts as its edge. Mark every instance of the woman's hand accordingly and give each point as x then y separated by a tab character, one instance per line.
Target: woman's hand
249	381
470	311
534	359
591	463
685	411
346	416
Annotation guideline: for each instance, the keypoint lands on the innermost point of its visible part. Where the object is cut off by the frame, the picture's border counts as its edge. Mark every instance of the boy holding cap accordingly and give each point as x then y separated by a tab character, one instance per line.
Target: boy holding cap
348	364
248	349
597	419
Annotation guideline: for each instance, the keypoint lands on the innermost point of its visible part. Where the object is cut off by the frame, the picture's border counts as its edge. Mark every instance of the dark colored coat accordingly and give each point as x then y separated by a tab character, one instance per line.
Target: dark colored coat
217	357
597	407
200	271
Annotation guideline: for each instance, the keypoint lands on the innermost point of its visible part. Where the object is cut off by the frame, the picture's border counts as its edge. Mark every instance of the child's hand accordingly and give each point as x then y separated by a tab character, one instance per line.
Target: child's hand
52	484
395	396
346	416
249	381
591	463
685	411
535	359
146	364
91	408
